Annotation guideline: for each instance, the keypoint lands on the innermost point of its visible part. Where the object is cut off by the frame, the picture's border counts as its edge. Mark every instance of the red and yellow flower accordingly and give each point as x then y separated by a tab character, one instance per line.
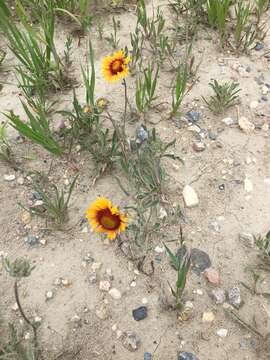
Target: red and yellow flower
106	218
115	67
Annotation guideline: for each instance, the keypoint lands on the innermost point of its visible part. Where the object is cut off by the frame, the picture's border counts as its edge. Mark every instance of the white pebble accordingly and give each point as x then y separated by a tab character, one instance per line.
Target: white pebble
104	285
115	294
222	333
190	196
248	185
9	177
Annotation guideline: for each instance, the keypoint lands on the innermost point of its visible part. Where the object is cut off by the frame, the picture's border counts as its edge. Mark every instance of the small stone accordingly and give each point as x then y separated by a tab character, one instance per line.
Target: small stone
104	285
253	105
265	90
200	261
190	196
114	327
142	133
246	125
85	229
102	312
193	116
259	46
222	333
248	185
194	128
15	307
208	316
234	297
162	213
144	301
198	146
265	127
264	98
96	266
228	121
20	180
9	177
140	313
130	340
183	355
77	321
37	319
115	294
247	239
92	278
26	217
133	284
219	296
198	292
31	240
49	295
36	195
65	282
215	226
147	356
43	242
159	249
212	135
212	276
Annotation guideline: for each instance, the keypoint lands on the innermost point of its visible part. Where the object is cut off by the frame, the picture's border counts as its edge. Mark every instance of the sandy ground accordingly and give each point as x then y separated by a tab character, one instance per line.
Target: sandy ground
213	226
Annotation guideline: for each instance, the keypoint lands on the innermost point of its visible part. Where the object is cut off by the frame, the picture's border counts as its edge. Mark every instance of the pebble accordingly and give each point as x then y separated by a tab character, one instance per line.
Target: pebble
9	177
114	327
31	240
212	276
247	239
246	125
265	90
190	196
102	312
193	116
142	133
259	46
212	135
115	294
104	285
222	333
20	180
264	98
194	128
147	356
200	261
15	307
162	213
140	313
248	186
43	242
183	355
253	105
96	266
265	127
215	226
36	195
234	297
159	249
198	146
144	301
219	296
130	340
228	121
208	316
37	319
49	295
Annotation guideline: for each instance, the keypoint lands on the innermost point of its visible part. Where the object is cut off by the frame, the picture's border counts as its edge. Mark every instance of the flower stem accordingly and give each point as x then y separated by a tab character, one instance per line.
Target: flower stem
126	103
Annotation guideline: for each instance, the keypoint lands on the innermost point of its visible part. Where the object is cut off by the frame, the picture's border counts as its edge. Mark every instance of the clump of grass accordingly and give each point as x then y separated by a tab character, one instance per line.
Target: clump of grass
113	39
182	266
54	201
5	147
225	96
263	243
217	12
14	348
179	88
260	7
38	129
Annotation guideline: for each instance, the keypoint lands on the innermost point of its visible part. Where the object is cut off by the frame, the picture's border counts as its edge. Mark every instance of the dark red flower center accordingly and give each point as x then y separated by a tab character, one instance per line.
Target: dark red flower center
108	220
117	66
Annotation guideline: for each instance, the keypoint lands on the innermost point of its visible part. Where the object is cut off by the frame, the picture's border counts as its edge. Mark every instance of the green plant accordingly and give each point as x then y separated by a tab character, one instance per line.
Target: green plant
263	244
217	12
67	51
136	41
15	349
182	265
260	7
37	130
226	95
5	147
244	31
36	63
112	39
146	88
54	202
179	89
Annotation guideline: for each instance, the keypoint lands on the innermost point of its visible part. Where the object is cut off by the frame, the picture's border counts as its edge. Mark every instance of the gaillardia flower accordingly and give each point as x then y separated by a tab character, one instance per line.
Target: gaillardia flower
105	218
115	67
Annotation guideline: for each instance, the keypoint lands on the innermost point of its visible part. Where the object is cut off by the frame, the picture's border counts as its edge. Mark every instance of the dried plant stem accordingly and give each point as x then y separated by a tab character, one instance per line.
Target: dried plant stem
16	292
126	103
